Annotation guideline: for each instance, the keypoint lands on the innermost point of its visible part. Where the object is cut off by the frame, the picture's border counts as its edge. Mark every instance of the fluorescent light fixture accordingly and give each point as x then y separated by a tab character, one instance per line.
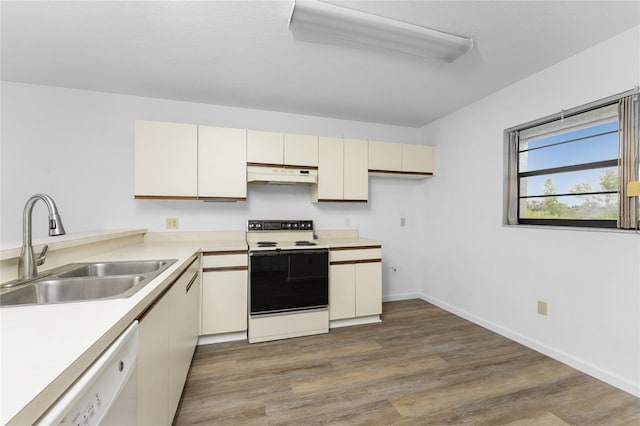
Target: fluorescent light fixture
352	26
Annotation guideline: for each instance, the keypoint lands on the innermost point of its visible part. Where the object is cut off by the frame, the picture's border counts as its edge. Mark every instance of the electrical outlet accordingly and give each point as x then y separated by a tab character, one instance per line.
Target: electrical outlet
403	221
171	223
542	307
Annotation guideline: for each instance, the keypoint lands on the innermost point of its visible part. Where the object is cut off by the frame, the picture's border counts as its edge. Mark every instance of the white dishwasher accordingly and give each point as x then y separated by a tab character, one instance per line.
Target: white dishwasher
106	393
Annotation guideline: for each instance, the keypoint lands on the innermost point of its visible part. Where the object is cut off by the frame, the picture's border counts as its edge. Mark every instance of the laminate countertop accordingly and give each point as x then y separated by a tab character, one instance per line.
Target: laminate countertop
45	348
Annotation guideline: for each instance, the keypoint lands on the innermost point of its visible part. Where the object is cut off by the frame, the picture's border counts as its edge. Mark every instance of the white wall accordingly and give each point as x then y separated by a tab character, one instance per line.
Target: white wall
493	274
77	146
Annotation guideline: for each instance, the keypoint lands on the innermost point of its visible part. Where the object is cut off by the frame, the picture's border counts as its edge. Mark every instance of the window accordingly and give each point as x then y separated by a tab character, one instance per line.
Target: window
569	169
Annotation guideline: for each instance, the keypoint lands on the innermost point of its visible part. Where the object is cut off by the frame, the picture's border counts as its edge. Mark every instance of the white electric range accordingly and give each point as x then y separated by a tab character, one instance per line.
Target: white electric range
288	280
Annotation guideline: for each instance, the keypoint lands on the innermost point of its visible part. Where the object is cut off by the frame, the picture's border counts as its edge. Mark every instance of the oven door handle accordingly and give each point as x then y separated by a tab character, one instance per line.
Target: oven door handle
279	252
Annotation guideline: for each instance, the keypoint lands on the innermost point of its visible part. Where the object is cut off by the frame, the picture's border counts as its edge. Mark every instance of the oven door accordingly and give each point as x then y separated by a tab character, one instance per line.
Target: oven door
288	280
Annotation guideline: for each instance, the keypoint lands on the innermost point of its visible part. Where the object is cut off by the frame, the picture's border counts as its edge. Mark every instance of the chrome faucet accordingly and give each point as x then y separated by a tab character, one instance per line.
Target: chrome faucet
27	265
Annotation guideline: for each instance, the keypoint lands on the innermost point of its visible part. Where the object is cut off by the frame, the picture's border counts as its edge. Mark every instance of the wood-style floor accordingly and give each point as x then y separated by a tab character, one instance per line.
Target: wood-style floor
420	366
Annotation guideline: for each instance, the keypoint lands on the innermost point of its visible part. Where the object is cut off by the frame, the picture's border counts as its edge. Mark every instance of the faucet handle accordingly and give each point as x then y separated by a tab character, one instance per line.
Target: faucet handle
42	256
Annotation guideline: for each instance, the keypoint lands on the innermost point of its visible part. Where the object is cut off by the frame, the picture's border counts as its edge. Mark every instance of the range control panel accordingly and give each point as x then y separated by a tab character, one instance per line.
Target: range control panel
280	225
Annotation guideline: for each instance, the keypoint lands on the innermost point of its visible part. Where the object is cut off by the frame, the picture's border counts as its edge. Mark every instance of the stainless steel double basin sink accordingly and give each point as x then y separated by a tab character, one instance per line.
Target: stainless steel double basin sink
78	282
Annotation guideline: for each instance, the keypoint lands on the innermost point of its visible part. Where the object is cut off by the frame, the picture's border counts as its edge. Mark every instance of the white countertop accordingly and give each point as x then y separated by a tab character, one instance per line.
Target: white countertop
45	348
348	242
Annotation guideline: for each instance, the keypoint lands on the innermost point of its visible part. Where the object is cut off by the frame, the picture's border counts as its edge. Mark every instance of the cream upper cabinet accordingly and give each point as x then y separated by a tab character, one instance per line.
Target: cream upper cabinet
397	158
276	148
342	170
300	150
385	156
265	147
222	163
330	170
166	158
356	176
418	158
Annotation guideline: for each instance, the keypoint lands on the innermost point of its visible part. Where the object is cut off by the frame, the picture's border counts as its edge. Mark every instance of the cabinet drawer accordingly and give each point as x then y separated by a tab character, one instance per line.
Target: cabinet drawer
355	254
224	259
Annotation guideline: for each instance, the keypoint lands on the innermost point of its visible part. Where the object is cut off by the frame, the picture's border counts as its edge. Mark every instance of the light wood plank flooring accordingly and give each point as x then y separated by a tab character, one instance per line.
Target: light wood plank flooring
420	366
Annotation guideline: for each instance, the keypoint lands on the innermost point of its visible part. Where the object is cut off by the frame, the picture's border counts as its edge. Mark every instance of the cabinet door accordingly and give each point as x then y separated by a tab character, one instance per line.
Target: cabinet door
356	171
224	302
418	158
342	291
265	147
330	170
222	162
385	156
183	332
193	308
368	289
166	159
153	366
301	150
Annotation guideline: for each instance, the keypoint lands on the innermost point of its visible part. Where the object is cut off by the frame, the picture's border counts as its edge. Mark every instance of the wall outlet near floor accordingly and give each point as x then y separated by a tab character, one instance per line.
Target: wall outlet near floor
171	223
542	307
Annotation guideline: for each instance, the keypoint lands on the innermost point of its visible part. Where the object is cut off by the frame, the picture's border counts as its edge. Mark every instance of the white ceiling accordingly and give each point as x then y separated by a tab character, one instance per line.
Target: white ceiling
241	53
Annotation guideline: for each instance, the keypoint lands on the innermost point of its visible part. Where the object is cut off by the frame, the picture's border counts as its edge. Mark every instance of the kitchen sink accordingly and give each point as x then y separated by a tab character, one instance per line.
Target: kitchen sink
115	268
61	290
79	282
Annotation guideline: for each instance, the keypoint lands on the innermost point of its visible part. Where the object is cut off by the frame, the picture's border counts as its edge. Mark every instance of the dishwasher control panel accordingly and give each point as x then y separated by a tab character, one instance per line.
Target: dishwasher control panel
95	395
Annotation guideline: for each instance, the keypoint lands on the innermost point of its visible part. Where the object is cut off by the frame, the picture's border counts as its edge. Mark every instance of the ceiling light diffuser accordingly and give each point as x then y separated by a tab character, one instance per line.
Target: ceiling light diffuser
343	24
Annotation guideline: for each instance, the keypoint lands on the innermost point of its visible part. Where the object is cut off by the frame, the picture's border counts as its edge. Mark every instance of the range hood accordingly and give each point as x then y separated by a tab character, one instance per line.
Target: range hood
282	175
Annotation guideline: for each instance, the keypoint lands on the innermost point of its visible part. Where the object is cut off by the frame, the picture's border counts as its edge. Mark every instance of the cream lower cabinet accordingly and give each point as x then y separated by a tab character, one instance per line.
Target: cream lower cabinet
184	300
153	366
224	292
342	170
168	336
355	283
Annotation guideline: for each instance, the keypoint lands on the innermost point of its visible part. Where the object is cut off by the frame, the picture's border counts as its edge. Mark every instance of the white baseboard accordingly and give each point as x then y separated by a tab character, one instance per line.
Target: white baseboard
586	367
354	321
401	296
221	338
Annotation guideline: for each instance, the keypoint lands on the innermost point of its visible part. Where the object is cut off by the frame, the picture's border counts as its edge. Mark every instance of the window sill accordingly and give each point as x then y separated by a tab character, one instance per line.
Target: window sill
575	228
